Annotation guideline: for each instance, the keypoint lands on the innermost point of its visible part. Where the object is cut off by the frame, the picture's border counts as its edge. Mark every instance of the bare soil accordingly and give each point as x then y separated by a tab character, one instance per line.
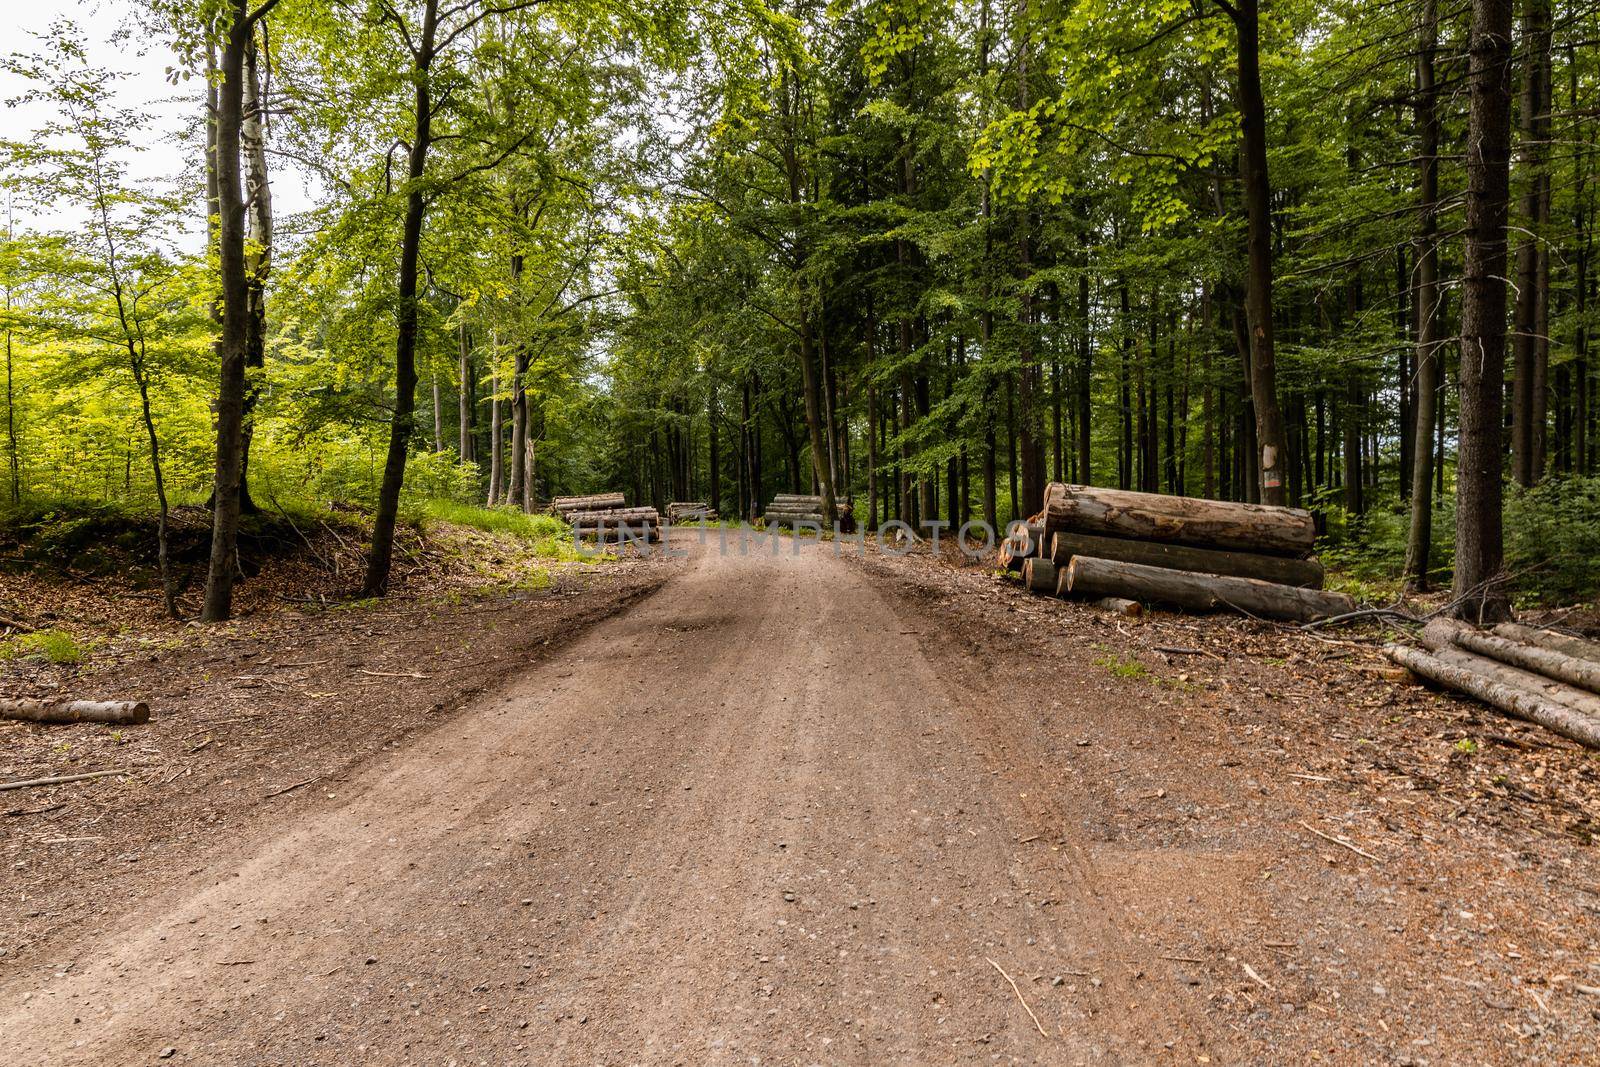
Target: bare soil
798	809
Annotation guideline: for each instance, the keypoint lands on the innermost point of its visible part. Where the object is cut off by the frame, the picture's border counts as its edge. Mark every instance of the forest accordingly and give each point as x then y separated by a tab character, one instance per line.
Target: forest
917	258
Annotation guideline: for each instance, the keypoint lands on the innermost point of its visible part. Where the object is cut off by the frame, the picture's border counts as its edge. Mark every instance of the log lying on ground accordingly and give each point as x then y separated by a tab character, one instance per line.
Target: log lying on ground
1218	524
1039	576
1306	573
1025	543
563	505
1576	647
1091	577
1119	606
793	518
1511	699
120	712
689	511
1557	665
613	515
1444	638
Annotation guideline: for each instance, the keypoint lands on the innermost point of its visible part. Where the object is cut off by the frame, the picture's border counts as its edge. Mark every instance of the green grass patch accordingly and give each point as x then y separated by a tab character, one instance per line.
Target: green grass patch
54	646
1123	666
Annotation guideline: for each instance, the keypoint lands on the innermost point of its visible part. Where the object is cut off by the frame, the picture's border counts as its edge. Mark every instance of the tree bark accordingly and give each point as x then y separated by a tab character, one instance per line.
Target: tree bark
1179	520
1530	346
1087	576
233	345
1479	544
1427	304
119	712
1469	677
405	350
1574	671
1305	573
1269	426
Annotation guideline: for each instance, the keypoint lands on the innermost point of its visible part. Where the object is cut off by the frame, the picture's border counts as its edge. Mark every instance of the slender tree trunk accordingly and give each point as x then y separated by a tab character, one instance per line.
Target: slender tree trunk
1530	345
468	400
1269	427
1426	303
405	349
234	343
1085	371
1479	545
258	249
495	430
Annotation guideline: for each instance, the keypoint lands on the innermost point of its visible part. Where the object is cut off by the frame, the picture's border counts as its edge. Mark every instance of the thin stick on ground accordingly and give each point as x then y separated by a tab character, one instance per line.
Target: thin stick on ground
1341	842
1020	997
60	780
292	788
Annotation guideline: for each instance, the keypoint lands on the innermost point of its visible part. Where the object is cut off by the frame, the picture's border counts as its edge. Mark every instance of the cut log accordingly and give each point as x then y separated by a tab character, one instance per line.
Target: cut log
1039	576
1511	699
1091	577
1575	647
1183	520
562	505
1025	543
1444	637
1306	573
120	712
791	518
1579	672
589	518
1119	606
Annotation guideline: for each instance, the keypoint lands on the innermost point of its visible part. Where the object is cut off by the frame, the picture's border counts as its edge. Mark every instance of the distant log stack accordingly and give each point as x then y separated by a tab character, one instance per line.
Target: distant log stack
1186	552
690	511
567	506
1538	675
607	517
792	508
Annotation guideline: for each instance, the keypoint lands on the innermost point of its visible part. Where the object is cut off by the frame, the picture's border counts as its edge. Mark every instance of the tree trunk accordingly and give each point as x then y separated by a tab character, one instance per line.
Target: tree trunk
1574	671
405	348
1180	520
1305	573
1269	428
1572	647
496	432
1530	346
1426	302
1477	677
468	400
1087	576
232	348
117	712
1479	545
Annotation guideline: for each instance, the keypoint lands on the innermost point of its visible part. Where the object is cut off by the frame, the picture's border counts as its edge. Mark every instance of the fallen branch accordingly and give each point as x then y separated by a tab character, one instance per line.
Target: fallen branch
292	788
59	780
1020	997
1341	842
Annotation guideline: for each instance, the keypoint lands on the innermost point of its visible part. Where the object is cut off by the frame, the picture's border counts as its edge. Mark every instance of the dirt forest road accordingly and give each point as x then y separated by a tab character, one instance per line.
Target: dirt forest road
750	820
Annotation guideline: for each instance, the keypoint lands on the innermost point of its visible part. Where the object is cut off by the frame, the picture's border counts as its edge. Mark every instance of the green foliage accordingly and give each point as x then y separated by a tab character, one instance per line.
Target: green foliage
53	646
1553	539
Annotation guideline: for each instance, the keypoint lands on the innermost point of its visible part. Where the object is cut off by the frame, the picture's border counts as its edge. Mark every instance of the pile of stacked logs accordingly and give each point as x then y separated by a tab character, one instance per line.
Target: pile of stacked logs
607	517
1539	675
1185	552
792	508
566	506
690	511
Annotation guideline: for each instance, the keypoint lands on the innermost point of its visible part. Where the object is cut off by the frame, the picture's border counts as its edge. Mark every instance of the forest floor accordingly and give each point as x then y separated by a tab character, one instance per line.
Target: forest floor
791	808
